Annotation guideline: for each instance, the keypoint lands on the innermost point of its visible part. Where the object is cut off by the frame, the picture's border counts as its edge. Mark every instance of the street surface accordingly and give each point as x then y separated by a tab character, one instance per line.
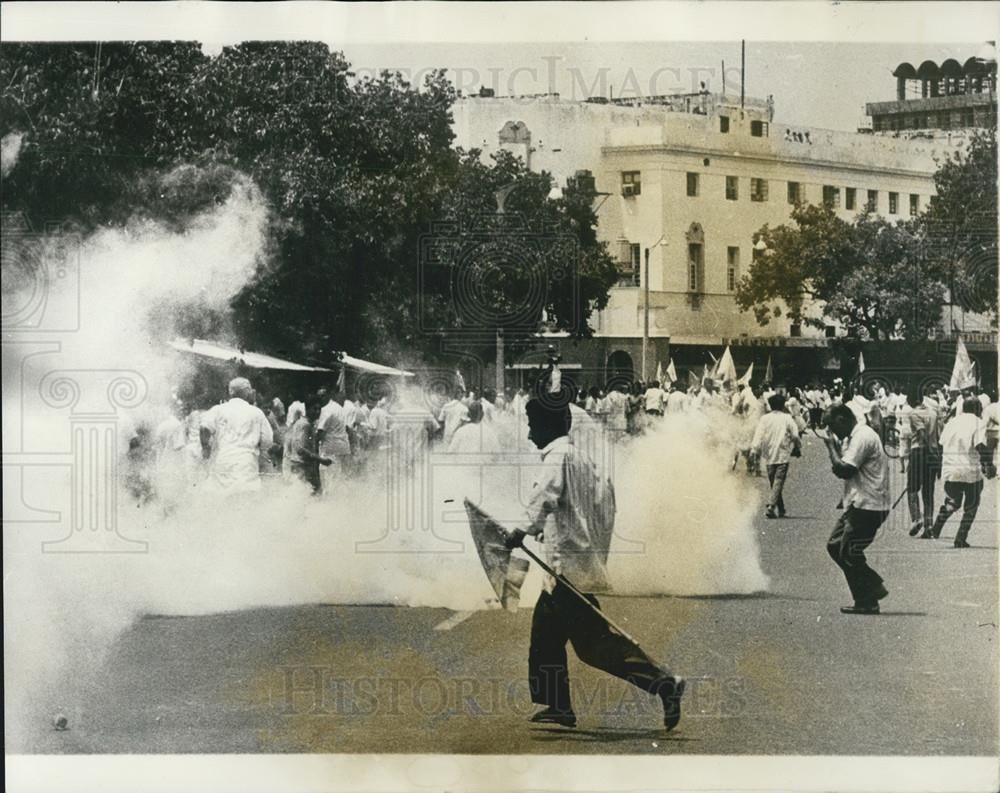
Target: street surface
779	673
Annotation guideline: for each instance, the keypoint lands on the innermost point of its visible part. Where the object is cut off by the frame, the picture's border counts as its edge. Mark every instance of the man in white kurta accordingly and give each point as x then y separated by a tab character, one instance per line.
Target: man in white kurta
240	433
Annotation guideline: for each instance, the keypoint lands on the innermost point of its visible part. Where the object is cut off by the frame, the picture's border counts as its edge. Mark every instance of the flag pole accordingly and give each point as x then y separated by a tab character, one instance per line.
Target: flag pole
502	532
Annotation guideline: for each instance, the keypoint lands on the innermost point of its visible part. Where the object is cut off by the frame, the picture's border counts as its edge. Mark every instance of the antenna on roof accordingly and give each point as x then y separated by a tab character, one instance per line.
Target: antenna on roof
743	71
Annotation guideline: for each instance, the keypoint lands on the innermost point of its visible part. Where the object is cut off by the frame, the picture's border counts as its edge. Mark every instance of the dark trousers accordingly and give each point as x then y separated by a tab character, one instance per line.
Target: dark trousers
560	617
815	417
920	478
776	475
854	532
308	473
959	494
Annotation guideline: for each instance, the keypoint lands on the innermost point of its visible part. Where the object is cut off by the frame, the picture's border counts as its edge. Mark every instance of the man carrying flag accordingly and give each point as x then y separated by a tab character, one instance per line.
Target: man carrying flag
572	508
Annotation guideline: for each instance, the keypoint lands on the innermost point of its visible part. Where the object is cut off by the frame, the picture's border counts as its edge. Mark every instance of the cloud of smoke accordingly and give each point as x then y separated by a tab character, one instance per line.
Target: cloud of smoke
395	534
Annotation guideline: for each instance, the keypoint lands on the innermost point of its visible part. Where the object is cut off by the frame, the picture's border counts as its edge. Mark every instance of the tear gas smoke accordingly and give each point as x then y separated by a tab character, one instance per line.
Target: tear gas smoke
386	536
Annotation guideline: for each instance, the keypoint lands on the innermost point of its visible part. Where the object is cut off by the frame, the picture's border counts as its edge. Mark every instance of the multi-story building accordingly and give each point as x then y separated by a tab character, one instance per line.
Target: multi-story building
684	184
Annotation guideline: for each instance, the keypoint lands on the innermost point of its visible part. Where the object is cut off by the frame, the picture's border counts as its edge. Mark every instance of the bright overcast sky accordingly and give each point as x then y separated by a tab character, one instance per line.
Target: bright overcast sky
816	83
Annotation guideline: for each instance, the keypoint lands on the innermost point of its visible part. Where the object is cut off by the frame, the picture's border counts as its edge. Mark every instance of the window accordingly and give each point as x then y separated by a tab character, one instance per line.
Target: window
830	331
873	200
732	188
831	196
692	186
794	192
944	120
732	268
758	189
850	198
968	118
629	268
631	183
914	205
795	330
723	123
893	203
695	267
758	129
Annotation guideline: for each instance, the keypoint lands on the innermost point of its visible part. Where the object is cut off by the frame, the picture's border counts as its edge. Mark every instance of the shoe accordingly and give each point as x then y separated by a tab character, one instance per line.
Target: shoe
927	535
916	527
671	696
565	718
962	544
882	592
770	513
859	608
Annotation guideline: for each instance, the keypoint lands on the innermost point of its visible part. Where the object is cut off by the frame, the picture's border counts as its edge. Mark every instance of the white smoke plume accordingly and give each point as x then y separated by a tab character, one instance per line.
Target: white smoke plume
684	523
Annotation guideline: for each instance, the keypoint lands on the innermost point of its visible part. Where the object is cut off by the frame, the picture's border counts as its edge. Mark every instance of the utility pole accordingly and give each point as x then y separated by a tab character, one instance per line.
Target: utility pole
645	316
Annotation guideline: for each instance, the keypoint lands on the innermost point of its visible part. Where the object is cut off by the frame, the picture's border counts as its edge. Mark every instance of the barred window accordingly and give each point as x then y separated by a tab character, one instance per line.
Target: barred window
758	189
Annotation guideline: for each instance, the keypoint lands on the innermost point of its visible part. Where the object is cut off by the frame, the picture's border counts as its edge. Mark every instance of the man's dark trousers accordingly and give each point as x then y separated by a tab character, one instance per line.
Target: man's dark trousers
560	617
854	532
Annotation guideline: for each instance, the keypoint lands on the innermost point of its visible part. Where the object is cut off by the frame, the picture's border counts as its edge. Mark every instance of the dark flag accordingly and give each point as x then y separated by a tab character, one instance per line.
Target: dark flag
506	573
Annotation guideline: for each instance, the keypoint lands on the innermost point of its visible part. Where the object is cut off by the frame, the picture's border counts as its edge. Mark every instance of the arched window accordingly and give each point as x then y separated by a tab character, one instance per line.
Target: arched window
696	258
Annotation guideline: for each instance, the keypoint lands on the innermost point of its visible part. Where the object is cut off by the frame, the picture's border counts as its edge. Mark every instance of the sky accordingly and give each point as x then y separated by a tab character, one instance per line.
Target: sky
820	84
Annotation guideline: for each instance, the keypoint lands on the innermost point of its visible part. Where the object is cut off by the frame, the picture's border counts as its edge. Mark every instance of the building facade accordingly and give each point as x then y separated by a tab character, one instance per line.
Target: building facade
683	185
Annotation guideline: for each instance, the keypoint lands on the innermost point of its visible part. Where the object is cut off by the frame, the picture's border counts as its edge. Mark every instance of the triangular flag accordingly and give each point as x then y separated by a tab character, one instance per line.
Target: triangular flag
963	374
692	378
769	372
459	381
506	573
726	368
705	374
745	380
861	362
715	364
671	372
659	372
342	379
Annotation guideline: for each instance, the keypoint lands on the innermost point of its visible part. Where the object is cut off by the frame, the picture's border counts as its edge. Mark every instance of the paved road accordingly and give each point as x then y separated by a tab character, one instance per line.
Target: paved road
782	673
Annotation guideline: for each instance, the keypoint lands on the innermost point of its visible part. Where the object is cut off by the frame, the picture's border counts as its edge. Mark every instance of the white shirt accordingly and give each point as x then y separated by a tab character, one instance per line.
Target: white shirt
677	402
475	438
869	487
332	423
617	404
654	398
960	460
775	437
574	508
453	415
241	431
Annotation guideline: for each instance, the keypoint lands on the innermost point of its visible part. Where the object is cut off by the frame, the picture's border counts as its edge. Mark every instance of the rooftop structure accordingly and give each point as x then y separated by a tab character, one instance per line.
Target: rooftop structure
945	96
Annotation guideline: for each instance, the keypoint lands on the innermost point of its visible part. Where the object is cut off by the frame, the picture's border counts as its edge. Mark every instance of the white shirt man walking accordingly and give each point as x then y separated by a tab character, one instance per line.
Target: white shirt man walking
966	455
776	441
241	433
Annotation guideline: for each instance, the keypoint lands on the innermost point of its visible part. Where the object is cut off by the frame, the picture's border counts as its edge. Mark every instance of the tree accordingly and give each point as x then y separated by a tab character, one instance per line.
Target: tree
961	221
357	173
872	276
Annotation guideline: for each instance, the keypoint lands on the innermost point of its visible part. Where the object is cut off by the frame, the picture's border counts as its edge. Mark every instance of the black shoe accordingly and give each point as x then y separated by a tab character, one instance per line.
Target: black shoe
859	608
915	528
565	718
962	544
671	696
882	592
